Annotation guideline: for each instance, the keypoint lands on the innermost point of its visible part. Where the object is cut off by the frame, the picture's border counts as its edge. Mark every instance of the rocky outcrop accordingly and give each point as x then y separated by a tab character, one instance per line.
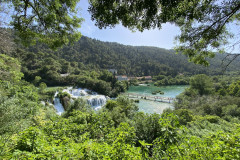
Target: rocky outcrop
65	102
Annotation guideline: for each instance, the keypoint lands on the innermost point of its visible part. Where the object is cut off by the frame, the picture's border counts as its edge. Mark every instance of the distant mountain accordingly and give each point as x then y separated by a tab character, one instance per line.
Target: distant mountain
93	55
138	61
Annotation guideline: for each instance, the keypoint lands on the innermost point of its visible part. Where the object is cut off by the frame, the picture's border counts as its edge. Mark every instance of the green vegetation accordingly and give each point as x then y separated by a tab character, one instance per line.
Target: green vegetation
206	98
134	61
90	55
46	68
159	91
136	100
54	23
195	129
206	119
32	130
19	104
162	80
84	64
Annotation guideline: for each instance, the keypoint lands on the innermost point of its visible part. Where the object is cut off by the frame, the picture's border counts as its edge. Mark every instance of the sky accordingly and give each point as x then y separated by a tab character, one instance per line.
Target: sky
163	38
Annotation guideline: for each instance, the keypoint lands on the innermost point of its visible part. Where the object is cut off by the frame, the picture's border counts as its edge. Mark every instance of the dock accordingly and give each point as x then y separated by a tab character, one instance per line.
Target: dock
151	98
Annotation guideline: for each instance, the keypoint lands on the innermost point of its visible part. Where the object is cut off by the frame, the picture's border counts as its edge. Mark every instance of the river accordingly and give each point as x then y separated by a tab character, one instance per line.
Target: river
152	106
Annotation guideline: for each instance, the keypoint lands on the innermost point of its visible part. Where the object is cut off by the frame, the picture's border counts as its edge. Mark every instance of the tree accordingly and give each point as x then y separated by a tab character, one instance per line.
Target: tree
10	69
234	89
42	87
204	24
6	41
37	80
52	22
202	83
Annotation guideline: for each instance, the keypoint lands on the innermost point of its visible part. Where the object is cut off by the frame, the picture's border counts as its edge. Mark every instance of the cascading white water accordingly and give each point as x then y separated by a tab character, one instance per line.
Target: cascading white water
76	93
58	105
93	99
97	101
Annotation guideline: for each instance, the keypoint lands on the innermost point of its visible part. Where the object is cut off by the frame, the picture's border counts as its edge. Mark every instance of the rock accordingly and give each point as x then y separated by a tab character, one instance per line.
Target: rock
65	102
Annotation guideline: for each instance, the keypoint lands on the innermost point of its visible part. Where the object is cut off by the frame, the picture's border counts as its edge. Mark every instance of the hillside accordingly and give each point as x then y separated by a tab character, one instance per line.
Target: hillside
31	130
205	113
131	60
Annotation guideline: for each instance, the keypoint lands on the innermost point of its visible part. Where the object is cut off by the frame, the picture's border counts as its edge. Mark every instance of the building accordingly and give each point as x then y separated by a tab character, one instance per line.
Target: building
125	78
122	78
64	75
148	77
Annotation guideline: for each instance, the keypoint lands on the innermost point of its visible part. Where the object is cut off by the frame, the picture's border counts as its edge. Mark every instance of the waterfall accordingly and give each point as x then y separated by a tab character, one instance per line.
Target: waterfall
97	101
93	99
58	105
76	93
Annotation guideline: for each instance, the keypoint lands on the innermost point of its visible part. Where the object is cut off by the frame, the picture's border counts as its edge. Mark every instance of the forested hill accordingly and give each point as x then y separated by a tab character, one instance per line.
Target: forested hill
132	60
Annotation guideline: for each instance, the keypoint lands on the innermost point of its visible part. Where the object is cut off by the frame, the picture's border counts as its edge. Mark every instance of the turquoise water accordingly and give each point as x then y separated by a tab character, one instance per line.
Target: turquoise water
153	106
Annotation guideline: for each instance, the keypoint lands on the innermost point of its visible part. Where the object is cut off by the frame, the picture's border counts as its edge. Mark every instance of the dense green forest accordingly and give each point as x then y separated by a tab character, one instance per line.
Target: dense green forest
203	116
195	129
204	122
129	60
88	58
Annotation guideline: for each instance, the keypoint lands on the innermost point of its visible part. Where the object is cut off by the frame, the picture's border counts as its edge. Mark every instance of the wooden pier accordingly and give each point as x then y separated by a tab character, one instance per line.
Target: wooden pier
152	98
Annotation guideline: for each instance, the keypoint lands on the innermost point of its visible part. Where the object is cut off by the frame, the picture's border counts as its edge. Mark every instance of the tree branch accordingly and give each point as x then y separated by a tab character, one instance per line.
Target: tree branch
234	57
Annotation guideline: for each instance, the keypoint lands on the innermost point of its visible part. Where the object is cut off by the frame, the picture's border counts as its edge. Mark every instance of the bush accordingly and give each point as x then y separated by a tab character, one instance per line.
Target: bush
78	105
184	115
212	119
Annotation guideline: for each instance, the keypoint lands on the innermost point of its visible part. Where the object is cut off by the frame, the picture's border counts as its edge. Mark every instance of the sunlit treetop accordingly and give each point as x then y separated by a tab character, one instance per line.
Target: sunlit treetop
54	22
205	24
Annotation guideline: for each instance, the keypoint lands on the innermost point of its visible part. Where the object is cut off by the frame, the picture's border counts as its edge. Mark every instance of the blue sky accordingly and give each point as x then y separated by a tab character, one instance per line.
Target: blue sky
163	38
